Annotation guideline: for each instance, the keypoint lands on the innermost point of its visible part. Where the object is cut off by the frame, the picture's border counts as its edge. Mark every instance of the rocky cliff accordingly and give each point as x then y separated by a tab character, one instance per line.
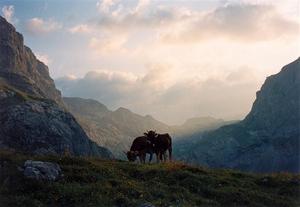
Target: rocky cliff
20	68
267	140
32	115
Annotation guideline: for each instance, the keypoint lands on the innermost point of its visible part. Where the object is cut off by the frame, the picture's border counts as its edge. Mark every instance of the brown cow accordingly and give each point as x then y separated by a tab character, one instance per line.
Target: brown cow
140	146
161	143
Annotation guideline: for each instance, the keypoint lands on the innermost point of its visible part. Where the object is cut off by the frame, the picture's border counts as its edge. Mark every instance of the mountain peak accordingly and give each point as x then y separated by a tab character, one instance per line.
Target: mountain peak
122	110
278	99
32	115
21	69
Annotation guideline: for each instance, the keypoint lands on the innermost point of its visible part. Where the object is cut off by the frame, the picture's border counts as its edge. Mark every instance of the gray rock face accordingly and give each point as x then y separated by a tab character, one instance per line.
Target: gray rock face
42	170
42	127
268	139
32	116
20	68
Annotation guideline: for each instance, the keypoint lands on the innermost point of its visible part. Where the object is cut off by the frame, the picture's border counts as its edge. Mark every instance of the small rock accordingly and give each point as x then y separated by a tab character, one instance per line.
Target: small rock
295	181
42	170
146	205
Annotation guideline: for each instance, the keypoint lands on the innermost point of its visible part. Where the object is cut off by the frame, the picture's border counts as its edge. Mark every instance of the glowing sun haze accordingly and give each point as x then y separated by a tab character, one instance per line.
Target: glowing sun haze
171	59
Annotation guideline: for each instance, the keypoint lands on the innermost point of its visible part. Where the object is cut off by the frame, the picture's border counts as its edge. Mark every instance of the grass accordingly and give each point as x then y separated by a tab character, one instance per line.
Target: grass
96	182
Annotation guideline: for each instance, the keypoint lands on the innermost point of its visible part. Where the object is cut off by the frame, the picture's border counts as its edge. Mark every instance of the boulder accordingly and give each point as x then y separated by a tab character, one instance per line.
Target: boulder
42	170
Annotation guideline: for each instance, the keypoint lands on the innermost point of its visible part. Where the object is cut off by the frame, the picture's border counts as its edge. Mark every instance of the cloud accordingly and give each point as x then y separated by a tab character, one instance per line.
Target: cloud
108	44
243	21
40	26
8	13
237	22
147	24
105	5
172	102
43	58
81	29
141	6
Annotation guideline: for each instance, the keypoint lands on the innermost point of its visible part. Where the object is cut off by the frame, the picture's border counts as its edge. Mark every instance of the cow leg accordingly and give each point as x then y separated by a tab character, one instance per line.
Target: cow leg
157	157
144	158
150	158
161	156
170	153
165	157
141	159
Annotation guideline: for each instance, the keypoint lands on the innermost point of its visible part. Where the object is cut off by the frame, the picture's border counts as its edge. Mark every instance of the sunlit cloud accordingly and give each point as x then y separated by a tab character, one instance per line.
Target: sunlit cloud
43	58
108	44
40	26
104	5
146	26
8	12
81	29
236	22
171	101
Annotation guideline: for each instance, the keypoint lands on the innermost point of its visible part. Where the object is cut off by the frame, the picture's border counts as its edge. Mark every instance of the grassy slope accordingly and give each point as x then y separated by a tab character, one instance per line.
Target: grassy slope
95	182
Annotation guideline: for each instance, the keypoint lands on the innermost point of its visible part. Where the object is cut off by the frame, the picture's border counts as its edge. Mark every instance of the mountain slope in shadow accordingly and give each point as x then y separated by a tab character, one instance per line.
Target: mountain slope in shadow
267	140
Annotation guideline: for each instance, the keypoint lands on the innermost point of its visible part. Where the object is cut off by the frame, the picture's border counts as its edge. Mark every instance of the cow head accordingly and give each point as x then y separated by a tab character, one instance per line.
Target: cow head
131	155
151	135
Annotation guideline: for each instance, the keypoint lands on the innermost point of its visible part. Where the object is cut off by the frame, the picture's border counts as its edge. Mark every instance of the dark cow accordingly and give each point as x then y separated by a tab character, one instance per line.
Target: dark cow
140	146
161	143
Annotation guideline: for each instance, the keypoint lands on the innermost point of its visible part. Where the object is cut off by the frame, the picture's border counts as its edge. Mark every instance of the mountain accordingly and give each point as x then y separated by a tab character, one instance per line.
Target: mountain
117	129
20	68
32	115
112	129
267	140
198	124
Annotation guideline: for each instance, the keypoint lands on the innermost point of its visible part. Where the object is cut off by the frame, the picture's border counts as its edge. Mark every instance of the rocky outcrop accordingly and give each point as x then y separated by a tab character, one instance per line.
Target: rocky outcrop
267	140
32	116
40	126
42	170
20	68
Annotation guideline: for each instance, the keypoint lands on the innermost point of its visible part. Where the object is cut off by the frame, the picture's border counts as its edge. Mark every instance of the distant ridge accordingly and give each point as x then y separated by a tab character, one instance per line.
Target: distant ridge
112	129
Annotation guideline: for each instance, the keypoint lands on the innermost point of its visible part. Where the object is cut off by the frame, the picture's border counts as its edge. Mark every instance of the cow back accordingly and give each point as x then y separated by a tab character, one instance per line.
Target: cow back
139	144
163	142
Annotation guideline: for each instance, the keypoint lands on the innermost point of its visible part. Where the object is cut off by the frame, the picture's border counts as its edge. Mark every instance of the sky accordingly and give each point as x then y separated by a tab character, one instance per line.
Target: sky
172	59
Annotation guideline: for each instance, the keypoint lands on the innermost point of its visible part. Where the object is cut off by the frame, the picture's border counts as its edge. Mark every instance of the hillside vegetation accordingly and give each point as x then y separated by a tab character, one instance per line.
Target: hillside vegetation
96	182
